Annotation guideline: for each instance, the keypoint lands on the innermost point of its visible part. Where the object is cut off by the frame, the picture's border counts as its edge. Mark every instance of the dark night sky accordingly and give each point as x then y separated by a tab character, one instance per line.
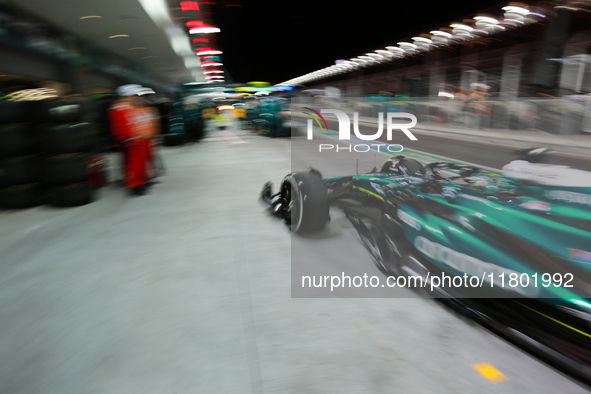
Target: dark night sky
275	40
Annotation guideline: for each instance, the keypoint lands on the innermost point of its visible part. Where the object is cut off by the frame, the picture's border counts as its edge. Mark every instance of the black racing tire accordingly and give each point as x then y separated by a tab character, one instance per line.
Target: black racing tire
15	111
20	170
66	168
308	199
67	138
22	196
71	195
63	111
18	139
173	139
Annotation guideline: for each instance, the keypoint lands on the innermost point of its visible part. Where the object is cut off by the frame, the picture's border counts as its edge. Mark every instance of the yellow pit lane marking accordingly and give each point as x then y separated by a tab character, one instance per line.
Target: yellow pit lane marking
490	372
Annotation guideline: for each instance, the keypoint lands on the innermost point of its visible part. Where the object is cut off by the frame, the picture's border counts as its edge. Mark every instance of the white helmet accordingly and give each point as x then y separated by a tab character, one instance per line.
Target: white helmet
128	90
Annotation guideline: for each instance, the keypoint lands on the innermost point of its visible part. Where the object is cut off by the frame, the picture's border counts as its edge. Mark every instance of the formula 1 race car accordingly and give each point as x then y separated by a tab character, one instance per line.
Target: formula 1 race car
530	224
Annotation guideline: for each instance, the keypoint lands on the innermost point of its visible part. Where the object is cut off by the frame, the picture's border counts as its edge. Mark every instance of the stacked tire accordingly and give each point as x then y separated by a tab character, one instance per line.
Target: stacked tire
176	132
20	169
66	137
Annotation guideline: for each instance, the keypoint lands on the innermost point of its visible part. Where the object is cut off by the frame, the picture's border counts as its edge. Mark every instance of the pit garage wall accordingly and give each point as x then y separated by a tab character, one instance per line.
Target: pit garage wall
29	64
21	62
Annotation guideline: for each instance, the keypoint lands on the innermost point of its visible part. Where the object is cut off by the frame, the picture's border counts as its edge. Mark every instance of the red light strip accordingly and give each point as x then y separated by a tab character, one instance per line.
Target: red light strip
189	6
194	24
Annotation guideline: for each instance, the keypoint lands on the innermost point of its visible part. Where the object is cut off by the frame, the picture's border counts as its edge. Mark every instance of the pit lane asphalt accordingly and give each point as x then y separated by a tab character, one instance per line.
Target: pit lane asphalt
187	290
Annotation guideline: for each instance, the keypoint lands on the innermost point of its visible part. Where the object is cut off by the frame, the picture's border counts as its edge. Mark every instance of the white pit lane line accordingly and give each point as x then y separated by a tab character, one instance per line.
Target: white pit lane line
233	138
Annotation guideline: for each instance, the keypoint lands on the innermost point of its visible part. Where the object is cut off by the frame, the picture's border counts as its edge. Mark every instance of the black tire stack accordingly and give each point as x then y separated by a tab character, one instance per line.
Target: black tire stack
175	134
66	137
20	162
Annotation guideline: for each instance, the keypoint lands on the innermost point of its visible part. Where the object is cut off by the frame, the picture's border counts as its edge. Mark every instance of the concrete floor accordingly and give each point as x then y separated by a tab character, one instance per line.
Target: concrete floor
188	290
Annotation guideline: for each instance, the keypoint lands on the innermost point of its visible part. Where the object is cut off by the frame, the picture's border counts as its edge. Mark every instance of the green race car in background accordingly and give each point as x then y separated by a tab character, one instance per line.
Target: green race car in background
521	239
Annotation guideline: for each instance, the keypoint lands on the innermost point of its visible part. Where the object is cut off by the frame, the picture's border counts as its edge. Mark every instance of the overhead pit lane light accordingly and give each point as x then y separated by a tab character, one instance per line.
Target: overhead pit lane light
207	51
486	19
384	52
441	33
396	52
198	27
422	39
516	10
407	44
459	26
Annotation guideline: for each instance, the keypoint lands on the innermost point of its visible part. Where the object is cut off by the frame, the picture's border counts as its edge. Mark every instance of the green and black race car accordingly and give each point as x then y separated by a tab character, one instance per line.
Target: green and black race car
522	238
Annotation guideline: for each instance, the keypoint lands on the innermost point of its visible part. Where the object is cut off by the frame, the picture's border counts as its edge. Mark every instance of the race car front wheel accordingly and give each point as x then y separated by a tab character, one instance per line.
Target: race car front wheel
306	198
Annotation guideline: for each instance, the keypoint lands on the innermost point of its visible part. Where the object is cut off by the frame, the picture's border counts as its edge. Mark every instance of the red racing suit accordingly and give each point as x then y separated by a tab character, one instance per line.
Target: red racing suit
128	134
148	119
